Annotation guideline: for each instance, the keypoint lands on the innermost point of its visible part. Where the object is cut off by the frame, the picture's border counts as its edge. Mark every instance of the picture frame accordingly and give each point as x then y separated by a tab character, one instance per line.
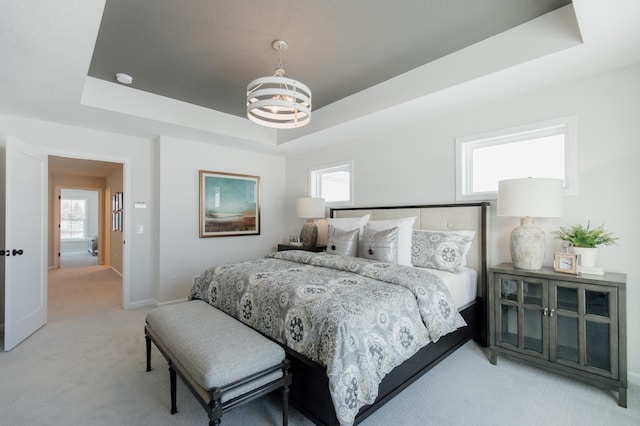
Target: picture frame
117	205
566	263
229	204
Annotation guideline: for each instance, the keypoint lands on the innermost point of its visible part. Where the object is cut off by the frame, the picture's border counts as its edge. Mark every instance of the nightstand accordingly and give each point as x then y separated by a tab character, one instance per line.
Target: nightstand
570	324
285	247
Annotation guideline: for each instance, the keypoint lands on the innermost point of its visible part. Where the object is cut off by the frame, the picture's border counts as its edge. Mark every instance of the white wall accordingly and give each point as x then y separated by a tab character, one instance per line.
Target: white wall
182	253
415	164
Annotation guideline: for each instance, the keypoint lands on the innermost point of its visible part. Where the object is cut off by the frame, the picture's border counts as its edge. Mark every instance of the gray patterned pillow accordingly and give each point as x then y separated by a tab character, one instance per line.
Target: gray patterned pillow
342	243
380	245
443	250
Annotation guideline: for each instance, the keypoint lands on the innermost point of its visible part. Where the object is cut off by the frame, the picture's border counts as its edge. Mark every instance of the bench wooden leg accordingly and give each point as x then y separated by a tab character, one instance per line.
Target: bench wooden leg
148	343
172	378
215	407
285	406
285	391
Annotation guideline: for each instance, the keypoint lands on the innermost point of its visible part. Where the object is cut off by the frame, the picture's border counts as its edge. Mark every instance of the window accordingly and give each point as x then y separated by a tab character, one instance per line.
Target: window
73	218
545	149
333	183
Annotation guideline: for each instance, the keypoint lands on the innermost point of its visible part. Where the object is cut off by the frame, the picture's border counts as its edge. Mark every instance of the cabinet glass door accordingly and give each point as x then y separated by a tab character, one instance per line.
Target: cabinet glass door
598	329
521	321
567	343
583	332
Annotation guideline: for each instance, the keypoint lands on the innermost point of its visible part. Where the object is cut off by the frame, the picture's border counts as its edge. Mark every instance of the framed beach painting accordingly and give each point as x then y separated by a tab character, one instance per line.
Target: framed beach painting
229	204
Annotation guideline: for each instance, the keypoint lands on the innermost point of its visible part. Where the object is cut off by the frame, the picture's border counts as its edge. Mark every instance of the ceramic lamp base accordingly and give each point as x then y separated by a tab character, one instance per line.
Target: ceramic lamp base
309	234
527	245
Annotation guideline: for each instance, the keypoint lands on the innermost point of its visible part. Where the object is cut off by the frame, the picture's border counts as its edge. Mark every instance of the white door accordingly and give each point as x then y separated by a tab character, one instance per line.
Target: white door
25	273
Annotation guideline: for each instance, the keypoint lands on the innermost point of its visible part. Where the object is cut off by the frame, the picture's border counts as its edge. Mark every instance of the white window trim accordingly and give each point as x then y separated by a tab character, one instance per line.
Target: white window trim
85	225
464	164
316	168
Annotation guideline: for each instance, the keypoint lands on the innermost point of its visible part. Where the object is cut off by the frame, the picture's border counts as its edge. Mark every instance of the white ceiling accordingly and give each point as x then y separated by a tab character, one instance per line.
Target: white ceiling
47	48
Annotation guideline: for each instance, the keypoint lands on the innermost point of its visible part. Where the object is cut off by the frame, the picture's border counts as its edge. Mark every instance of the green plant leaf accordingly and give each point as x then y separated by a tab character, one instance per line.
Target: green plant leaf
581	236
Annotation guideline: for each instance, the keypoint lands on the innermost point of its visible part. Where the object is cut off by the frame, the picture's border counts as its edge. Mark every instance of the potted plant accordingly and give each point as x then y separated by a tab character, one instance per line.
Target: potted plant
586	240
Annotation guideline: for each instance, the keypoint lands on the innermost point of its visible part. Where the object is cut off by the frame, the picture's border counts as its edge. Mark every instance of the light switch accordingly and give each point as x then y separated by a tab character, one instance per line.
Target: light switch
139	229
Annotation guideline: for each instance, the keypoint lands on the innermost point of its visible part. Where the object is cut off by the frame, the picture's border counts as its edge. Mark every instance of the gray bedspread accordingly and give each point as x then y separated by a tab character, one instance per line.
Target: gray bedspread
358	318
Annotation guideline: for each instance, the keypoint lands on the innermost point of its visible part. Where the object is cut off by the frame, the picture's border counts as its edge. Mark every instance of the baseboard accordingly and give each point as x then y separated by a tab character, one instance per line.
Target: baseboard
171	302
633	378
153	303
141	304
116	271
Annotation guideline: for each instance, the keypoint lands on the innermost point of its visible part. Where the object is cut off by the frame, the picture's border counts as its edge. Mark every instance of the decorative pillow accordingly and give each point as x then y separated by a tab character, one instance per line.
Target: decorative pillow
342	243
443	250
405	229
380	245
350	223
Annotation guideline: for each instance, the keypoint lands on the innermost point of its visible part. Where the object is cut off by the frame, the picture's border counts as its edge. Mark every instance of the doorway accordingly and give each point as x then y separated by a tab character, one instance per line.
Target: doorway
79	220
83	276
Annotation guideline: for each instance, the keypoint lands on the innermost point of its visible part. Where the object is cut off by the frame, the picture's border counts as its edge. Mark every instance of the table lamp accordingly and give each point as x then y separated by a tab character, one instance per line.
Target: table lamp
528	198
309	208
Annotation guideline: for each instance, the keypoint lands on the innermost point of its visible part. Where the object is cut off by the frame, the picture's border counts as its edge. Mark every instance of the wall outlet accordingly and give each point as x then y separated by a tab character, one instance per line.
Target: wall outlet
172	280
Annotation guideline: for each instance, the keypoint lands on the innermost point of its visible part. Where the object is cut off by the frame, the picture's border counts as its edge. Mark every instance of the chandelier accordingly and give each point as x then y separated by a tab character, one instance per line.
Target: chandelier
279	101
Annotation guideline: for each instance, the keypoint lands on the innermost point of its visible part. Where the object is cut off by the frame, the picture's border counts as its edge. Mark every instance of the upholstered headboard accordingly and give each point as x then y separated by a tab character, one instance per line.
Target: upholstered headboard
441	217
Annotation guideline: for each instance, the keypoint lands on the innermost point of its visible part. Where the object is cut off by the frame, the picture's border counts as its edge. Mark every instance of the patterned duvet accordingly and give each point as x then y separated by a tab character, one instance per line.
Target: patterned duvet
358	318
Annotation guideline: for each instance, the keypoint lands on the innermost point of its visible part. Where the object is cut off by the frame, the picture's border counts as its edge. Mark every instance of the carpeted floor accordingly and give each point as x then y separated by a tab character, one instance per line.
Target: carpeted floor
87	367
77	259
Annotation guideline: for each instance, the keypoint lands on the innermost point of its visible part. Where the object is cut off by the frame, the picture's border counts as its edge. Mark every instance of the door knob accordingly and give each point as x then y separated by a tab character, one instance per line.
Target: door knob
8	253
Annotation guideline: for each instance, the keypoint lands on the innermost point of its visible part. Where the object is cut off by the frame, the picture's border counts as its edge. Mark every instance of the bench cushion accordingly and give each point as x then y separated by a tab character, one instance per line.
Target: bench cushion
213	347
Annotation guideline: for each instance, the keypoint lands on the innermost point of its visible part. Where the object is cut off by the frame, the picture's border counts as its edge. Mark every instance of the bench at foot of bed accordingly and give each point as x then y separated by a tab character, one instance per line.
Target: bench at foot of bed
222	361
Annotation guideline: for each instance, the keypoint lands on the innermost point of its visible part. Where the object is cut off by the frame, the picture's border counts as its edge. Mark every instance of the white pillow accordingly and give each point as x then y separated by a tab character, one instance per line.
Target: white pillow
405	234
350	223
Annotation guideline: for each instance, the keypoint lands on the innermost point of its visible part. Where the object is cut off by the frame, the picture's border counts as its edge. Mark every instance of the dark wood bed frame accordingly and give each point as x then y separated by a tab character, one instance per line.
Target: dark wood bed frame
310	387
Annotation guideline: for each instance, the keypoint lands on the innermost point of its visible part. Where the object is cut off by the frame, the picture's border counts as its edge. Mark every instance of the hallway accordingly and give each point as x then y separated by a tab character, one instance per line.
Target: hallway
80	291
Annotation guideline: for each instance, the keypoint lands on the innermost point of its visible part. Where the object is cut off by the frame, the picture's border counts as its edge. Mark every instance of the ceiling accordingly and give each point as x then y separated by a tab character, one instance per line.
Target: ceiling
76	167
206	54
373	65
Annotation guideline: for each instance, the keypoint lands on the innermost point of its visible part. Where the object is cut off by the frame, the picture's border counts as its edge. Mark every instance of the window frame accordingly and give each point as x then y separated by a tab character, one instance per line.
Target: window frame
315	171
84	220
464	153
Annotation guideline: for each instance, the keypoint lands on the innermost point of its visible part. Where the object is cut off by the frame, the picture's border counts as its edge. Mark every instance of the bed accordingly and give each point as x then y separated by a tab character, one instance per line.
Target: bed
358	331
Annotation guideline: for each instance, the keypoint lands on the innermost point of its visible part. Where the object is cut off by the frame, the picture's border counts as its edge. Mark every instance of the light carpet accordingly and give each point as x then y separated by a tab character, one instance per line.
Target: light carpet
87	367
76	259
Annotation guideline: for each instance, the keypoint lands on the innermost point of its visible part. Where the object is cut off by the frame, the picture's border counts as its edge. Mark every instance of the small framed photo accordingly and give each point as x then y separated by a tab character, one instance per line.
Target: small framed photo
566	263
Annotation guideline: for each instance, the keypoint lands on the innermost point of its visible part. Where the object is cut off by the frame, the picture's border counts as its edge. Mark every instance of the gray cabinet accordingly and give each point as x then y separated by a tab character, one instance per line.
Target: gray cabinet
574	325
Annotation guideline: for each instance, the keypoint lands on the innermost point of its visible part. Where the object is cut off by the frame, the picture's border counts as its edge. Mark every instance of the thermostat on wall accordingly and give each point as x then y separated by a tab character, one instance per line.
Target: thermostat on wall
140	205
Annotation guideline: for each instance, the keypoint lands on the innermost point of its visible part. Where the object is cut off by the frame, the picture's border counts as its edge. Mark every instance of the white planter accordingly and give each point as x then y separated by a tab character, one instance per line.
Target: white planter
587	255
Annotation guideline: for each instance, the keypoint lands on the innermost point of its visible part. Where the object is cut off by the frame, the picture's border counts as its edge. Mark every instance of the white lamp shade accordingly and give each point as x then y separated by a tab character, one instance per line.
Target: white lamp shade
534	197
310	208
